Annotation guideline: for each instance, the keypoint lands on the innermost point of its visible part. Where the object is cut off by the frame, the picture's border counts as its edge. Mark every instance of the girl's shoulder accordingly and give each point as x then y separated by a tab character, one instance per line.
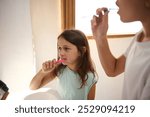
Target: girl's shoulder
92	77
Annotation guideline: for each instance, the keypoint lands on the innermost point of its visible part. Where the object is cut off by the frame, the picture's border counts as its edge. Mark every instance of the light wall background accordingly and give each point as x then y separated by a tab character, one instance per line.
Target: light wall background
16	52
28	37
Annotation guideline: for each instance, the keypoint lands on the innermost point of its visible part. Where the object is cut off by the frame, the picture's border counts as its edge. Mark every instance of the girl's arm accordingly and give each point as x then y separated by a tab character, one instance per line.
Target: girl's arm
45	75
91	95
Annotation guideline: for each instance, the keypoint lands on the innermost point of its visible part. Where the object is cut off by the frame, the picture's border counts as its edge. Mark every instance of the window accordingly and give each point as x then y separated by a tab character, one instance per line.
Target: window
84	10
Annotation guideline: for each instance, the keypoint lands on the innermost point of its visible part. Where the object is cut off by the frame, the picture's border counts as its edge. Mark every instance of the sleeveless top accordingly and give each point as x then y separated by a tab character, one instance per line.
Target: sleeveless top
69	84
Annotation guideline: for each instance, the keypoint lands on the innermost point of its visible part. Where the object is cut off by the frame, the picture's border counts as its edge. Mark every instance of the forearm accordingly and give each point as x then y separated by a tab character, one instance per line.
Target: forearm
37	80
107	60
45	75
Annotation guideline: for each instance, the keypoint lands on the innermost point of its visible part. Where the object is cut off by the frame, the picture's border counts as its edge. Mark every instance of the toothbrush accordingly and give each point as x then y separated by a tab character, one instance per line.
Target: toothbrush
111	9
59	61
108	10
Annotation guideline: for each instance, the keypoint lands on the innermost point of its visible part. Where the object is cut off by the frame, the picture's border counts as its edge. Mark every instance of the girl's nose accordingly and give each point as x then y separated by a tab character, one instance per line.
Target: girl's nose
61	53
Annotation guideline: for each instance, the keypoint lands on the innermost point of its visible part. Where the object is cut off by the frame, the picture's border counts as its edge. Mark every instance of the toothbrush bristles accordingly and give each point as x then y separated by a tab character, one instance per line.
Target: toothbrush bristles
112	9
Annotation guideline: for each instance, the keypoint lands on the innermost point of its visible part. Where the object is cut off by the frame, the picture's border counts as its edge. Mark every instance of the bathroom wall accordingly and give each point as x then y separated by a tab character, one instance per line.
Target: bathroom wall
16	52
45	17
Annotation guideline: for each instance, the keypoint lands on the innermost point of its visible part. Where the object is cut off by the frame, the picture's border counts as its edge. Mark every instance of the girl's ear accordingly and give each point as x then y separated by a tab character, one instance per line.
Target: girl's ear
83	51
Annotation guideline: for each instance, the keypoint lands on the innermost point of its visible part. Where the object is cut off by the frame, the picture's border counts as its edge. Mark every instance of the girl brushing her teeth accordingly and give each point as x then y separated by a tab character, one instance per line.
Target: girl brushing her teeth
74	68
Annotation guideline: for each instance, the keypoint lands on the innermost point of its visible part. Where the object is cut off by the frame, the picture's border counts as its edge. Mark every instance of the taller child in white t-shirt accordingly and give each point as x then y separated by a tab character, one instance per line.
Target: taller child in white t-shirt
135	63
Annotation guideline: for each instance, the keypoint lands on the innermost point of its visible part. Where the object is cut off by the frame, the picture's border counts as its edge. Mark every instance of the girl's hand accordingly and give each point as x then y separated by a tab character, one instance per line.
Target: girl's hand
99	23
48	66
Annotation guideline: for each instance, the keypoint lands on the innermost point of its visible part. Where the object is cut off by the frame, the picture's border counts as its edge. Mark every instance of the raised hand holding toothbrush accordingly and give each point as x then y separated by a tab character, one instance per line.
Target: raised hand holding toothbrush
48	66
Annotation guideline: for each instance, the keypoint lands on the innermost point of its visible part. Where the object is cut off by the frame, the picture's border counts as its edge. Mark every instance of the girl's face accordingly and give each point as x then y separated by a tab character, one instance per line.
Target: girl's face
131	10
68	52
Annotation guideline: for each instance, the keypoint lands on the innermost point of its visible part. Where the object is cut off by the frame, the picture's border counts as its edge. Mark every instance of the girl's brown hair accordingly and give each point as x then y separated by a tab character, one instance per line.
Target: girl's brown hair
85	65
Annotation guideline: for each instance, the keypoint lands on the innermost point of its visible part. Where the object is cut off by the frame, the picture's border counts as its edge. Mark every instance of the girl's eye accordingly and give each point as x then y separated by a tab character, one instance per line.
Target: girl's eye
66	49
59	48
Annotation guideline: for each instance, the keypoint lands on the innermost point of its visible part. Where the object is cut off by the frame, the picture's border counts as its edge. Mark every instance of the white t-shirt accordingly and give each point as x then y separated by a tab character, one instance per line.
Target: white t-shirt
137	70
